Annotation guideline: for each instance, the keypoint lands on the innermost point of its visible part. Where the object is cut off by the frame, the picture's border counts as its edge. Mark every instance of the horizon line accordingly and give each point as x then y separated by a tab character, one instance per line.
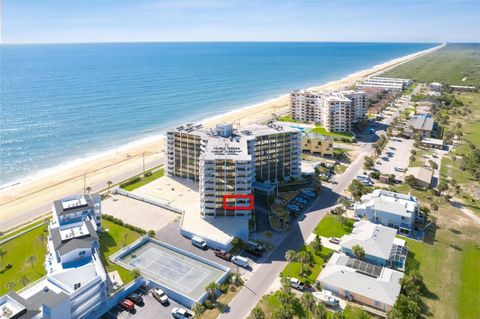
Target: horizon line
231	41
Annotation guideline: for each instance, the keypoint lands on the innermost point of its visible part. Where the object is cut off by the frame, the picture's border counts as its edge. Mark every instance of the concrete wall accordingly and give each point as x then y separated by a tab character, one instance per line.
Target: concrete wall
210	242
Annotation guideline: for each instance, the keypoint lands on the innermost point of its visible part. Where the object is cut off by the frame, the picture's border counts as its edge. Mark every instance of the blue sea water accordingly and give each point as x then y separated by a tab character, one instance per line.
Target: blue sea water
64	102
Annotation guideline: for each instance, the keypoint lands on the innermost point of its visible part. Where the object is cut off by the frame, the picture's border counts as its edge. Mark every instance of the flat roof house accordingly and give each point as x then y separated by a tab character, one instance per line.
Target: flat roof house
390	209
381	246
76	282
432	143
317	144
359	281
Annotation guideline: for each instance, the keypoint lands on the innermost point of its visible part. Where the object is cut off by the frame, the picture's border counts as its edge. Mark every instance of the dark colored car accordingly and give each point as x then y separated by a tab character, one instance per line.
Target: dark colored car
252	250
222	254
127	305
135	298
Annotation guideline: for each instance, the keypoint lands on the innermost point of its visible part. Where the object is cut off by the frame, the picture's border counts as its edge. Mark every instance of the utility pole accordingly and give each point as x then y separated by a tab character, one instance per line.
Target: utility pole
143	163
84	182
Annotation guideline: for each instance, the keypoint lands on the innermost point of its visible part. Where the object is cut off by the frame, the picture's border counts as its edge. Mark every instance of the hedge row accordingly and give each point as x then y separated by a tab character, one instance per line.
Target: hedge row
120	222
131	181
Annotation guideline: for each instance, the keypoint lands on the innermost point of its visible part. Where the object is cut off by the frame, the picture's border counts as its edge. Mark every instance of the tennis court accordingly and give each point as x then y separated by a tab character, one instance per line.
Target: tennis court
173	269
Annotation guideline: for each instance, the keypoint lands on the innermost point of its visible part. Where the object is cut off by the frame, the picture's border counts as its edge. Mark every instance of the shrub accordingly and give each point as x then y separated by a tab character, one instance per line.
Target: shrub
151	233
375	175
209	304
148	173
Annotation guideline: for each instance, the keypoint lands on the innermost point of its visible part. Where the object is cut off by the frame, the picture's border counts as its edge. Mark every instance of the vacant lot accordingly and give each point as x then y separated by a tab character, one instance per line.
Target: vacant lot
457	64
310	270
331	227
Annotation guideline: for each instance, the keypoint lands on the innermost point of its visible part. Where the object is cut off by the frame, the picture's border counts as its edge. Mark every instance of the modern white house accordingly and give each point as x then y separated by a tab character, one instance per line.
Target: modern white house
379	243
336	111
395	210
76	282
361	282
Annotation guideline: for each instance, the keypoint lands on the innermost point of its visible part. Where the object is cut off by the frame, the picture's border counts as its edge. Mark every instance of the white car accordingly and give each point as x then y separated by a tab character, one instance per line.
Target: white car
400	169
240	261
297	284
160	295
326	297
181	313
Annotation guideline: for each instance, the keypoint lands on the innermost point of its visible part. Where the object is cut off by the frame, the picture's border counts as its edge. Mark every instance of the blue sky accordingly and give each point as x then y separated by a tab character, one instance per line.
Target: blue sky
57	21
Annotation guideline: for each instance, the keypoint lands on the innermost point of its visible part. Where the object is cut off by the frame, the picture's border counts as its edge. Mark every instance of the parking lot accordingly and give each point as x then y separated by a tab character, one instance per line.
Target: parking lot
150	309
395	154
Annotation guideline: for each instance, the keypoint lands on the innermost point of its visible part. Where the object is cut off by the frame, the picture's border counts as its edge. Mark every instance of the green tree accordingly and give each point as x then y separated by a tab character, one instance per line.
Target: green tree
257	313
284	312
356	189
412	158
303	257
237	243
198	310
410	180
358	251
211	290
317	244
136	273
24	280
125	239
290	257
368	162
109	184
404	308
88	190
2	254
344	202
42	238
319	312
308	302
442	187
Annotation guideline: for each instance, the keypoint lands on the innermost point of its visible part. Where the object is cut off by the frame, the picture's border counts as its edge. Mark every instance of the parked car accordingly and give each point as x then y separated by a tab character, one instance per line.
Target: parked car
222	254
252	251
240	261
308	193
293	207
327	298
309	189
334	240
365	180
135	298
160	295
127	305
255	245
297	284
400	169
199	242
181	313
301	200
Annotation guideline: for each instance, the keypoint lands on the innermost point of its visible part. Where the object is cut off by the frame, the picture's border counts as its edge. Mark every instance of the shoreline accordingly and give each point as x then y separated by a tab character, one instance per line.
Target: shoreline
67	178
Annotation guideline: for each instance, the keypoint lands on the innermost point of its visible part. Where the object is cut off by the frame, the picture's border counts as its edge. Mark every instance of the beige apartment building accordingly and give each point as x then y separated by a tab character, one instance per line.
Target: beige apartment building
317	144
226	161
337	112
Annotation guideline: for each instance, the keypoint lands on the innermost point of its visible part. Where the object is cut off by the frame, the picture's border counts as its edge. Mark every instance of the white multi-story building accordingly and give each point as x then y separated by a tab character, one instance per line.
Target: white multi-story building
390	209
336	111
227	161
389	84
76	283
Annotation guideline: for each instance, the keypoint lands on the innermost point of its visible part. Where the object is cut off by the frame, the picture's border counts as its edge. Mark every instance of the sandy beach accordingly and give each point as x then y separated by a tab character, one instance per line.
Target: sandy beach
23	201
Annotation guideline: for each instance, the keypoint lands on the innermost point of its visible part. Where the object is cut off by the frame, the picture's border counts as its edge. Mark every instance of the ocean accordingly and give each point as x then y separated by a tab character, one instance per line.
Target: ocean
64	102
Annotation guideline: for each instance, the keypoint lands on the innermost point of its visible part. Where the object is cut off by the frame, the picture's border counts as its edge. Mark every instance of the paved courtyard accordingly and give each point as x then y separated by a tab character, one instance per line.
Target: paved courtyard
395	154
137	213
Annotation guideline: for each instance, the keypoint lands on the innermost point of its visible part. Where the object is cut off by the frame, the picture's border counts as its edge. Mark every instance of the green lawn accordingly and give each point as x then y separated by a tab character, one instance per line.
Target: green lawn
146	180
329	226
457	64
419	158
335	135
469	299
16	253
287	118
20	229
112	240
312	270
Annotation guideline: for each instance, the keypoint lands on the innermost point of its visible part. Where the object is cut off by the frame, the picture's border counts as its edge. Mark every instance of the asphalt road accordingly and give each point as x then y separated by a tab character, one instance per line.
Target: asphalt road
270	269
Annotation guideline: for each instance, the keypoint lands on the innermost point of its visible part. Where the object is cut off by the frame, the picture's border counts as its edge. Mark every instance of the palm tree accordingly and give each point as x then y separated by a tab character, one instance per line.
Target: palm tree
42	238
303	258
136	273
125	237
198	310
308	302
211	289
344	202
2	253
290	257
317	244
24	280
319	311
10	285
31	260
88	190
257	313
109	184
358	251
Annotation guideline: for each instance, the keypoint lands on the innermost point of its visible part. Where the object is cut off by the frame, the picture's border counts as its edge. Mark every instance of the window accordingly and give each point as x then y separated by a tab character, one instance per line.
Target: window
76	286
82	253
